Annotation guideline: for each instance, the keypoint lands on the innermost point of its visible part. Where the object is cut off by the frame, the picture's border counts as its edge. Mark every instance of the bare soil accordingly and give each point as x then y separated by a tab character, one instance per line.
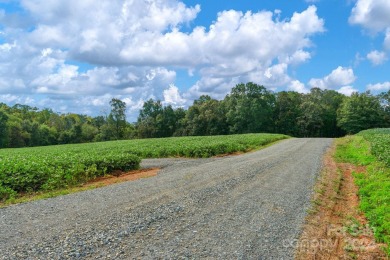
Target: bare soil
119	176
335	227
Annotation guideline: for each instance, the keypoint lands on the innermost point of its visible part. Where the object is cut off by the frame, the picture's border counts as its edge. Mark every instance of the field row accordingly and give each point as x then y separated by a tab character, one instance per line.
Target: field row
52	167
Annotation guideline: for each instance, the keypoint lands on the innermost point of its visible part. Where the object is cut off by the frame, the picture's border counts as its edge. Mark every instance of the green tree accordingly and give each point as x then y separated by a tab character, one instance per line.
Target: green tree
47	135
385	103
117	117
318	114
3	129
166	122
330	102
181	123
360	112
17	137
147	120
250	108
287	112
206	116
88	132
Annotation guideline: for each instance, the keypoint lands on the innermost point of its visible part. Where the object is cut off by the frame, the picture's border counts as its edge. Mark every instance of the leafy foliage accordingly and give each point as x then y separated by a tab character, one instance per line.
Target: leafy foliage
248	108
372	148
53	167
360	112
380	143
117	117
22	125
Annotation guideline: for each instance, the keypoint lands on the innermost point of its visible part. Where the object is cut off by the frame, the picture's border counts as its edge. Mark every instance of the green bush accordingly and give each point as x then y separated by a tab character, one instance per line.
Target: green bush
6	193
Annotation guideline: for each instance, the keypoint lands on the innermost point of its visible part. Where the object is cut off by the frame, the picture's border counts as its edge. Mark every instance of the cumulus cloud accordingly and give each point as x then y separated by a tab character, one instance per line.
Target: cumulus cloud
371	14
172	97
347	90
298	86
387	40
132	49
379	87
246	56
337	78
377	57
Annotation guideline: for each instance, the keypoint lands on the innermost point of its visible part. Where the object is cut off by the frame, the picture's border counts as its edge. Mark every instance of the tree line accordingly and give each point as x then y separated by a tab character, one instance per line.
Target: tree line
251	108
248	108
22	125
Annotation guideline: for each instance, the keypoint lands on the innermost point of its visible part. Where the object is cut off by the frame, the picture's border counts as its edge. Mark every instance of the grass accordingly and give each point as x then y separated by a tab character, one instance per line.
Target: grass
52	170
45	195
371	149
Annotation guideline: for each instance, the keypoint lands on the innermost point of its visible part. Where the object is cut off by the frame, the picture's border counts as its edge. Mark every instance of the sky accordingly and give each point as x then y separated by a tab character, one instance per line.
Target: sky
74	56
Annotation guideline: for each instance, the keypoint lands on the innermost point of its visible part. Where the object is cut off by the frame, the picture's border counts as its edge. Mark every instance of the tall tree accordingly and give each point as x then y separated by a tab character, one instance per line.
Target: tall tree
385	103
250	108
117	117
330	102
360	112
17	137
206	116
3	129
319	113
287	112
147	119
156	120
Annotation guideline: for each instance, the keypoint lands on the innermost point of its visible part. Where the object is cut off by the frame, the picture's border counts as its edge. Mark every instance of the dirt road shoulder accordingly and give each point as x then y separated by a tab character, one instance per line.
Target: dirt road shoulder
335	228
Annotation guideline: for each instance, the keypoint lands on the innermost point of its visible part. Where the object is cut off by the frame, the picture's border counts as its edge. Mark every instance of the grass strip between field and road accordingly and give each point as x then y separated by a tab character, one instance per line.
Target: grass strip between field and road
371	149
40	172
350	214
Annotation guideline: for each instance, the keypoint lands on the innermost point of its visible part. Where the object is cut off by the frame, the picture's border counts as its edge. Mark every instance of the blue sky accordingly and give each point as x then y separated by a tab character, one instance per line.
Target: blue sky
75	55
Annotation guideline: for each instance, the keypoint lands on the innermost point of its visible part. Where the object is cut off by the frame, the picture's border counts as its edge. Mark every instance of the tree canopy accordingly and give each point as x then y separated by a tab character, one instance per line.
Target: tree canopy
248	108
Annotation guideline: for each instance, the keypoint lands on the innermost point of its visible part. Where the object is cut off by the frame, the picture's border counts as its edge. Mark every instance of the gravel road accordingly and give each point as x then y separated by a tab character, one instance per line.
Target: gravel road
249	206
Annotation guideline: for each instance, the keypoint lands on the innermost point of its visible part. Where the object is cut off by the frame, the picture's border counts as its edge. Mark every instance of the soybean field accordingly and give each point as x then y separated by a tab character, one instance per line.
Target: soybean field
25	170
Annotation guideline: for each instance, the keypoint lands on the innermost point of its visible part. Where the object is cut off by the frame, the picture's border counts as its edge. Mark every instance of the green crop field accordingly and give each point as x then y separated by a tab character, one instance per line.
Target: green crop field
372	149
26	170
380	143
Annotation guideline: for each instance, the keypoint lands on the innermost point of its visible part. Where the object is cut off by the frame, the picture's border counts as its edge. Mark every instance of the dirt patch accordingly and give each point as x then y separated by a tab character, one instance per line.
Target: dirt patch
228	154
119	176
335	228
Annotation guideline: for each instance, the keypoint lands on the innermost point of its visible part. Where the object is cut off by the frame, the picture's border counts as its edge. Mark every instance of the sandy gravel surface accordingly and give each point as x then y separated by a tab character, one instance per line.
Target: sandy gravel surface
249	206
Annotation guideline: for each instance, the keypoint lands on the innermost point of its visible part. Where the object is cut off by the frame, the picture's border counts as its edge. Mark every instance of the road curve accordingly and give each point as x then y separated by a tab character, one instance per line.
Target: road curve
249	206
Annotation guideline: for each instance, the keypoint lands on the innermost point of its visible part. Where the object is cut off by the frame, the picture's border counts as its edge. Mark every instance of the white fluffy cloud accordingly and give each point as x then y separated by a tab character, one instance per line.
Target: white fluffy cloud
131	50
246	56
339	77
377	57
379	87
172	97
387	40
298	86
347	90
371	14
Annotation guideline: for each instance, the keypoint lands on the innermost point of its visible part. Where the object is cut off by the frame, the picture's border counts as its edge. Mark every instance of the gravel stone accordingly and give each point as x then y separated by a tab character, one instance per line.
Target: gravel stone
250	206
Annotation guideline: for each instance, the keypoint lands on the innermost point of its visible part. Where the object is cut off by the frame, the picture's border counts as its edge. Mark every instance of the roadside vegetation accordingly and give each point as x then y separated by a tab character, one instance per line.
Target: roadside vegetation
27	170
371	148
350	214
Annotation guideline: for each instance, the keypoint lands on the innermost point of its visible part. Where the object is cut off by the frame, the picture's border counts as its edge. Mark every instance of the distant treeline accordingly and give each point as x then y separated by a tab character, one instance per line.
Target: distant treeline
249	108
